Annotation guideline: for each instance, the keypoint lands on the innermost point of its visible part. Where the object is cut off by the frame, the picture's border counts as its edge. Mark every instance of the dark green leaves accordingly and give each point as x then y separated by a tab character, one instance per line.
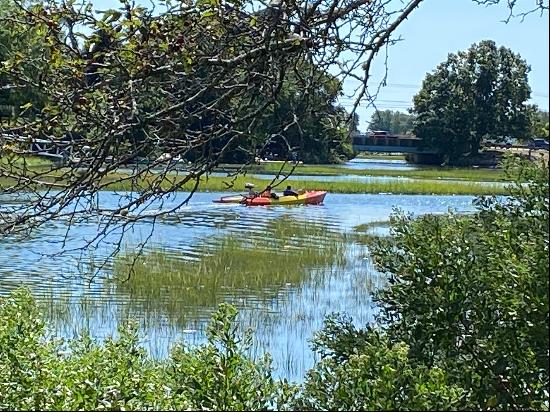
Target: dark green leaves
474	95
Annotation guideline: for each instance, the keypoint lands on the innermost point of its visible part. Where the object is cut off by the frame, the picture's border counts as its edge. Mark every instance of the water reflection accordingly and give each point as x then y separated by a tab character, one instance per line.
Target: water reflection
286	311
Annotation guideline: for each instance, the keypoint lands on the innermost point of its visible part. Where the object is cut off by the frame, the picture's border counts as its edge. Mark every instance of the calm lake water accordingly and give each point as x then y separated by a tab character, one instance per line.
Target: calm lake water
52	265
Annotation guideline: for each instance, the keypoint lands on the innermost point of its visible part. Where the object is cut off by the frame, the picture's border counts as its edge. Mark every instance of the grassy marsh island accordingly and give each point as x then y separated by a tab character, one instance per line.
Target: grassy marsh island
125	182
471	174
255	264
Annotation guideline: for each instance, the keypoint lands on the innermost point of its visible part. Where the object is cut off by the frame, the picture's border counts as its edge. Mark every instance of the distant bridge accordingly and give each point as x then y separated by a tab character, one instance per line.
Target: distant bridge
384	142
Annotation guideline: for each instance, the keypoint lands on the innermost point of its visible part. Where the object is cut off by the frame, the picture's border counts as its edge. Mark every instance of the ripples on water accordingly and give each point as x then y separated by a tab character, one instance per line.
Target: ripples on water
283	323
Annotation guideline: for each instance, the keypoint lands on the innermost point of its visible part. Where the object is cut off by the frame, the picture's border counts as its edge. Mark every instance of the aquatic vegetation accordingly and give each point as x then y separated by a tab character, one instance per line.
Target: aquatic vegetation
231	266
365	227
25	161
215	183
429	181
444	173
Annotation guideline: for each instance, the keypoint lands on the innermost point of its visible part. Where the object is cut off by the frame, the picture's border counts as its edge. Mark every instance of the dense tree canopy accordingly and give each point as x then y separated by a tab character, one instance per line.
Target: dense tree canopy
12	94
322	135
395	122
328	124
474	95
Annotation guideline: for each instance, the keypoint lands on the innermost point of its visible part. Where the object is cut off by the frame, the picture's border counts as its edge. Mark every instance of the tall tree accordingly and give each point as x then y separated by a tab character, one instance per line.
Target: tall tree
319	129
473	95
395	122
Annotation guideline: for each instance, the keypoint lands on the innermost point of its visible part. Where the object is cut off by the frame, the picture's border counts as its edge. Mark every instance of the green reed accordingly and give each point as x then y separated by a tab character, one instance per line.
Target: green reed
365	227
215	183
238	267
25	161
465	173
435	182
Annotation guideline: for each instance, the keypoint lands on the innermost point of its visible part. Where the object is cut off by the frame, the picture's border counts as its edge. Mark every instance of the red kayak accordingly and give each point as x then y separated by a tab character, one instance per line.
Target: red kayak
313	197
307	198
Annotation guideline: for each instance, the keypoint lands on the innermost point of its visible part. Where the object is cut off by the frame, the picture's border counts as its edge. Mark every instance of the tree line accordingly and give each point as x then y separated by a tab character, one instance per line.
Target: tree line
285	120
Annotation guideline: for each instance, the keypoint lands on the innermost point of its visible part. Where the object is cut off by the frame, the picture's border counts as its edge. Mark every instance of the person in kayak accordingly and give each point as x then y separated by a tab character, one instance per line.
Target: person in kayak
267	193
289	192
251	192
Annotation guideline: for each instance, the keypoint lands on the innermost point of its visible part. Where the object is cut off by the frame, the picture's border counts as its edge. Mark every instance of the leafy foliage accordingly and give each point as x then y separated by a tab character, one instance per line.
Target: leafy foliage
365	371
464	319
395	122
219	376
473	95
41	374
318	130
14	43
539	122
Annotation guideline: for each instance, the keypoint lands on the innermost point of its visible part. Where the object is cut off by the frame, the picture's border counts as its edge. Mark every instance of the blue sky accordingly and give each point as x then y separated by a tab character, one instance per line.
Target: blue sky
440	27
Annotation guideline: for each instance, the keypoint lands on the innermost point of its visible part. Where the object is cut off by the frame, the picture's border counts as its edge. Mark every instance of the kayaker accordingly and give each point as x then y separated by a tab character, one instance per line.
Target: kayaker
289	192
267	193
251	193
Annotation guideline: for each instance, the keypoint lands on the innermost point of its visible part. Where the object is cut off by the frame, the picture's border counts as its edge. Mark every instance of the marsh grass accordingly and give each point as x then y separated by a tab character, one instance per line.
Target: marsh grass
244	268
365	227
283	276
214	183
469	174
21	162
123	182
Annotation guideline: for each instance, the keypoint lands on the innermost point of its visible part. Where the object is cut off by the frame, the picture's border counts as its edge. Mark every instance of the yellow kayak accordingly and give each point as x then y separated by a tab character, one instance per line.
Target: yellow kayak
313	197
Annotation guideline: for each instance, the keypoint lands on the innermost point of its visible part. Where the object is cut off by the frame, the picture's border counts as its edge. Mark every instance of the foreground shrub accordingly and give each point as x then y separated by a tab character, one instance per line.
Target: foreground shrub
363	370
41	374
465	312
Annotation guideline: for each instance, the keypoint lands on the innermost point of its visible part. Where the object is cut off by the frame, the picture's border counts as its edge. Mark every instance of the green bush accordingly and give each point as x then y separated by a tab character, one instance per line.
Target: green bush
219	376
363	370
41	374
465	312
